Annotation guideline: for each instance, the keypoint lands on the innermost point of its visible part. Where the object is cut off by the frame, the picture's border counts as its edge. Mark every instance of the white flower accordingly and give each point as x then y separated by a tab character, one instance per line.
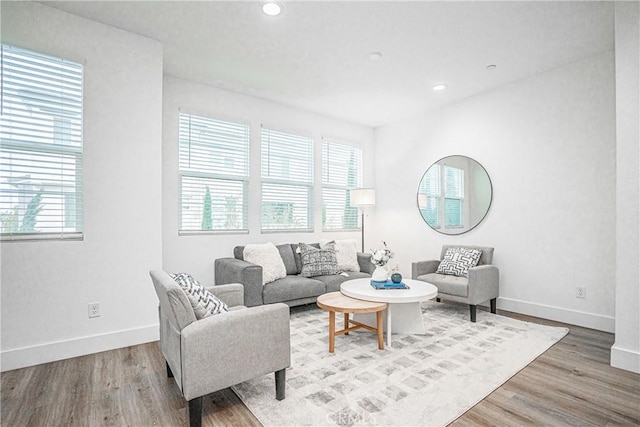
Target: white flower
381	257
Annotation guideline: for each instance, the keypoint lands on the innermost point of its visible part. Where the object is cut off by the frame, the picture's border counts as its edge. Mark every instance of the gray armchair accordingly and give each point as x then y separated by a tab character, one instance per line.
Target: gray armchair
481	285
207	355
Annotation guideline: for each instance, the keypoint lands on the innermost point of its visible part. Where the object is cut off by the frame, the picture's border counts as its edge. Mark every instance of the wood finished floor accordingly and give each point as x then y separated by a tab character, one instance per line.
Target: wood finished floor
571	384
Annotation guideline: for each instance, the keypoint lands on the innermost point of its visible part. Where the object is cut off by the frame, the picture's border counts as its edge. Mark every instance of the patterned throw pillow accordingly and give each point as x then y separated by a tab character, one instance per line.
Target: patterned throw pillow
458	261
204	303
318	262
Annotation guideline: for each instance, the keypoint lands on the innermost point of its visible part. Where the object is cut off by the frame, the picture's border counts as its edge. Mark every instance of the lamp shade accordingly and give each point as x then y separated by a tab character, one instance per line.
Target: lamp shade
363	196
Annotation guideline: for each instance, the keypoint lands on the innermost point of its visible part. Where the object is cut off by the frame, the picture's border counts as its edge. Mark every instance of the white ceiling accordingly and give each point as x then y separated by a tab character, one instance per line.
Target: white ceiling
315	55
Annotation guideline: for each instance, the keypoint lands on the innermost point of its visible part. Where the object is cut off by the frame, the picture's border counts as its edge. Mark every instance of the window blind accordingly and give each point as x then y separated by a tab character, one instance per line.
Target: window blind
341	171
287	181
40	146
214	174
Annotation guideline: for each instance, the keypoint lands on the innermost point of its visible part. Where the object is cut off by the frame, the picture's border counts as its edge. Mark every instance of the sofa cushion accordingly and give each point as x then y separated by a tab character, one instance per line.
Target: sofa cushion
203	302
346	253
333	281
267	256
458	261
447	284
318	262
286	253
291	288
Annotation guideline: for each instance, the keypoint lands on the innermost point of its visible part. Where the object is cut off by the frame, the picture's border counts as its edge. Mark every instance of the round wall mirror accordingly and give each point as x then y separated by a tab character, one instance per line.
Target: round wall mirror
454	195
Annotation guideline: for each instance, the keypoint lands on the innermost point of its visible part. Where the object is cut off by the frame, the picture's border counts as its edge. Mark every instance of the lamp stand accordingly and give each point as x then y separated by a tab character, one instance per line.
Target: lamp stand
362	230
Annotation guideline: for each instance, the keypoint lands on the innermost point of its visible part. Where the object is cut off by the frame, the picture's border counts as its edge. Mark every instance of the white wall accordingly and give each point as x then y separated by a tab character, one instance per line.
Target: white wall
46	286
625	353
196	253
548	144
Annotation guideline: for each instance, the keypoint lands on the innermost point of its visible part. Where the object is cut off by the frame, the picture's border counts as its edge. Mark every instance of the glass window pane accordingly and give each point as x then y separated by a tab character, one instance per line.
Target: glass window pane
341	171
287	179
214	170
41	145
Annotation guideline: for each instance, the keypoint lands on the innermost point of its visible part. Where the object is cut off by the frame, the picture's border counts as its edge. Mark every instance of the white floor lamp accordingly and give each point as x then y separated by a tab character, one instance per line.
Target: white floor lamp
361	198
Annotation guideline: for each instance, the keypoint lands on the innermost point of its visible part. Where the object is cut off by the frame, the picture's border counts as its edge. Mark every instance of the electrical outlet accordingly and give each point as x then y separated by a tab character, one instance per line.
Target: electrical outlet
94	309
581	292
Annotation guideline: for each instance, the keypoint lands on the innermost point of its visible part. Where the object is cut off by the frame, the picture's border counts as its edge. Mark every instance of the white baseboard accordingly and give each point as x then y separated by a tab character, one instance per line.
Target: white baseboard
59	350
625	359
572	317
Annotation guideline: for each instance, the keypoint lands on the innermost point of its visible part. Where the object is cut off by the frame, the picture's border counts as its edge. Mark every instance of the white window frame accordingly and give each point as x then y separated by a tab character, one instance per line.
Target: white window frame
336	184
286	161
201	168
41	146
456	194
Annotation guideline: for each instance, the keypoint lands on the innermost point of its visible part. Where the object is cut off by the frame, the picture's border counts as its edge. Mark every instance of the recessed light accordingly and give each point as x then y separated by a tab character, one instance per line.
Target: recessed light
491	67
273	8
440	87
375	56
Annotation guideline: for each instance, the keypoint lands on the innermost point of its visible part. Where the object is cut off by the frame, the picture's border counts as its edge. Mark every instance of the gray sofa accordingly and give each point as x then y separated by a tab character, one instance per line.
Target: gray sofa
292	290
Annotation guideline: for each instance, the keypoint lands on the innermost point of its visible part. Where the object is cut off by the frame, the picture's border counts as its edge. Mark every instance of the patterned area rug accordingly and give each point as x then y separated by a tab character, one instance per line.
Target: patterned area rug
422	380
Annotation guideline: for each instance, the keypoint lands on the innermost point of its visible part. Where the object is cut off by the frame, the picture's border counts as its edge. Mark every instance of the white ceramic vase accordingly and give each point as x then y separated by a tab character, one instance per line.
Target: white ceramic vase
380	274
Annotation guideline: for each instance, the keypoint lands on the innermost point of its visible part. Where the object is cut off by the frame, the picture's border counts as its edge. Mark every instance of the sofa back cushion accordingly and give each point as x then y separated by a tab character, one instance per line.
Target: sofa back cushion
286	253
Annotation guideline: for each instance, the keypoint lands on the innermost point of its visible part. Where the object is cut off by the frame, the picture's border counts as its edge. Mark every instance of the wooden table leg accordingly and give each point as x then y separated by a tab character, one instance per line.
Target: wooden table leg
389	325
346	322
332	331
379	323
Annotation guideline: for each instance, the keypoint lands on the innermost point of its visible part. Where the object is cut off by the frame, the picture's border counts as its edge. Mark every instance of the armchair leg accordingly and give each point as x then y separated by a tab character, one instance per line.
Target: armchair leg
280	383
472	309
493	305
169	373
195	412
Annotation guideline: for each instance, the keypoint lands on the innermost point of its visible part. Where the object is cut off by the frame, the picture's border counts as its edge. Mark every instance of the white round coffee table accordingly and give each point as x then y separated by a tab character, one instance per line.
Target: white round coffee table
404	315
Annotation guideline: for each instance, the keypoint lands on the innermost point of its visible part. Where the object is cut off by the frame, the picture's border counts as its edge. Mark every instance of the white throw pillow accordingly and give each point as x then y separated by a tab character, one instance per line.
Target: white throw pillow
268	257
346	253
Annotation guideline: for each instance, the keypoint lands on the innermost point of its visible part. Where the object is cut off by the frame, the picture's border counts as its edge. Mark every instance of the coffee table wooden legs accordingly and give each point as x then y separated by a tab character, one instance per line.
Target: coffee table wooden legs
356	325
332	331
379	324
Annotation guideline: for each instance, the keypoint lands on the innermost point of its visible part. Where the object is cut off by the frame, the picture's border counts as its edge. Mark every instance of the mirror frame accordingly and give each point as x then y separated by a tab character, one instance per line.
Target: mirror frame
464	229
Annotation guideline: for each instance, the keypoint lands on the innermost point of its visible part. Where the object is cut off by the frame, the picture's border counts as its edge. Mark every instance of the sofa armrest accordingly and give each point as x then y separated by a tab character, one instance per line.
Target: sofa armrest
232	270
232	294
364	261
420	268
483	283
226	349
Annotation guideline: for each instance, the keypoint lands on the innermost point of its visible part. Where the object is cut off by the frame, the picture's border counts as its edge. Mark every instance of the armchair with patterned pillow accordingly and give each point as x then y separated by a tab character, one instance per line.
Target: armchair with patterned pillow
211	341
463	274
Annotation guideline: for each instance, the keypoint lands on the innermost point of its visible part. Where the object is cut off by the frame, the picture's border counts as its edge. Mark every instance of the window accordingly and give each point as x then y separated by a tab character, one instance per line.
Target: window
214	174
287	181
442	207
341	171
40	146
